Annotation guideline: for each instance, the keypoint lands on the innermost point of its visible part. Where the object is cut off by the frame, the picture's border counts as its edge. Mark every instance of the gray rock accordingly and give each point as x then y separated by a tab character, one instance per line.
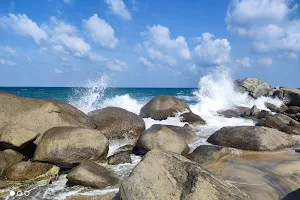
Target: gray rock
292	96
254	110
160	137
186	132
68	146
121	156
282	123
25	119
92	175
30	170
254	138
162	107
254	87
191	117
7	158
238	111
205	154
118	123
161	175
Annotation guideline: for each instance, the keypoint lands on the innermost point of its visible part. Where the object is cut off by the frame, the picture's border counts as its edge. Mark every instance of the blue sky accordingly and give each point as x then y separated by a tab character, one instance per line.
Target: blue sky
147	43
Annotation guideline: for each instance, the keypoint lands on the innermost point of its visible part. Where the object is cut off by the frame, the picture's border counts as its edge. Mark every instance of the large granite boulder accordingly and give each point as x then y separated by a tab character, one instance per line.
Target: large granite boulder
93	175
68	146
27	170
291	96
25	119
165	175
205	154
192	118
282	123
118	123
186	132
162	107
238	111
7	158
255	138
121	155
160	137
254	87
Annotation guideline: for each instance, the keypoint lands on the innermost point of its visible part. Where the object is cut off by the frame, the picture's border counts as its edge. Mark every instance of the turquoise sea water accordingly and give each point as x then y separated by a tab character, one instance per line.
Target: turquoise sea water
65	94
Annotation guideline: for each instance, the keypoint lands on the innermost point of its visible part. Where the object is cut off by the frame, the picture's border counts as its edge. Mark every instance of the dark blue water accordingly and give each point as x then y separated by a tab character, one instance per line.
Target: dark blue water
64	94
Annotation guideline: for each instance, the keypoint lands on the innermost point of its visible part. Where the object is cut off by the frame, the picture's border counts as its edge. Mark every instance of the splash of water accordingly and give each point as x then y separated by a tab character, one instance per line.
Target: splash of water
88	98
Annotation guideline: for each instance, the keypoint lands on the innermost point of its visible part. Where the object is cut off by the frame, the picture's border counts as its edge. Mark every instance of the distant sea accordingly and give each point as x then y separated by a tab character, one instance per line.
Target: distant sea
67	94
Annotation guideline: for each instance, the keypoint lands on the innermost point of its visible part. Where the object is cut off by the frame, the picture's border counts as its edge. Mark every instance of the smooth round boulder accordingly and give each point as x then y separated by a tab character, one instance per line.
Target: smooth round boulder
282	123
238	111
161	137
8	157
162	107
165	175
23	120
191	117
208	153
254	87
92	175
118	123
186	132
254	138
68	146
27	170
291	96
121	155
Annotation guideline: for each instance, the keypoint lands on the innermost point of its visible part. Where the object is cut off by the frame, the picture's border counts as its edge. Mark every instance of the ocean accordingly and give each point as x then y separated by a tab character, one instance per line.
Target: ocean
215	92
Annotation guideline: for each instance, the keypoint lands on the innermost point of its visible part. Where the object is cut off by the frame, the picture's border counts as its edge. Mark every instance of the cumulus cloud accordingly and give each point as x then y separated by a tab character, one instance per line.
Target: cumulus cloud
8	50
57	71
116	65
7	62
244	62
288	56
158	56
265	61
22	25
146	62
100	32
118	7
212	51
160	36
266	22
67	1
66	39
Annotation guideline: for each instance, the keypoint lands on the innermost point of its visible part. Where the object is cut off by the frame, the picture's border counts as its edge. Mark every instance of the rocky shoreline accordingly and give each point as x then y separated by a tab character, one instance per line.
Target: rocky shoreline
40	140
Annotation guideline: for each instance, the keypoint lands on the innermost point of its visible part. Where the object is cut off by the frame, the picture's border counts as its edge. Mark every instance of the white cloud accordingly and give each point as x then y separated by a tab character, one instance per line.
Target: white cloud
268	23
160	36
116	65
100	32
146	62
43	50
288	56
68	1
265	61
64	59
244	62
65	38
118	7
73	44
8	50
7	62
158	56
22	25
212	52
59	49
57	71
